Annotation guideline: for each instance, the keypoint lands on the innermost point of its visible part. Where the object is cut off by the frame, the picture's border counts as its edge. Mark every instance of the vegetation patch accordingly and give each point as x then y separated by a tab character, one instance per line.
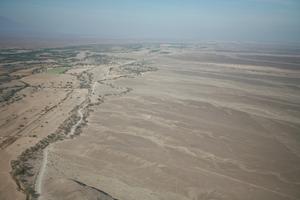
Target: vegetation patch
57	70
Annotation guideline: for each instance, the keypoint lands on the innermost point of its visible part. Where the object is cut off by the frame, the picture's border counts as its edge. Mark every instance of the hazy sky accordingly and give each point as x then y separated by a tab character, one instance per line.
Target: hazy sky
231	20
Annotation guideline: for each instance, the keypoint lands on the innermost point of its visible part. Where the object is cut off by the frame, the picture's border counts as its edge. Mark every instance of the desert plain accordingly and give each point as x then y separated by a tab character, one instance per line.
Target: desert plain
152	121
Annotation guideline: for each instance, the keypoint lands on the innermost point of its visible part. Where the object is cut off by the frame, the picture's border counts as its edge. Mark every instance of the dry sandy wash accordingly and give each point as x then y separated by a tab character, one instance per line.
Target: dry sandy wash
172	122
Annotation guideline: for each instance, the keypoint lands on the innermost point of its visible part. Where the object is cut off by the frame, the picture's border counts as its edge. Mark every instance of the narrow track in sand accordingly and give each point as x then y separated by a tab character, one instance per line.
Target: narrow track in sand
39	179
40	176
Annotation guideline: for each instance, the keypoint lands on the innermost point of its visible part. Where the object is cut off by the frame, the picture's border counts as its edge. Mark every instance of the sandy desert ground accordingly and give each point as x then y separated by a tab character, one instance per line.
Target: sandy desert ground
156	121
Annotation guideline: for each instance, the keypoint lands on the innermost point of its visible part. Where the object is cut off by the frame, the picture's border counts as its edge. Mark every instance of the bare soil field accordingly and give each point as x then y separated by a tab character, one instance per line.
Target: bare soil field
154	121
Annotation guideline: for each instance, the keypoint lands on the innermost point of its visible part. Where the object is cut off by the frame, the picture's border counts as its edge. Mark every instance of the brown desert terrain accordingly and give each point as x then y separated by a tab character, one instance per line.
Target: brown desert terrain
151	121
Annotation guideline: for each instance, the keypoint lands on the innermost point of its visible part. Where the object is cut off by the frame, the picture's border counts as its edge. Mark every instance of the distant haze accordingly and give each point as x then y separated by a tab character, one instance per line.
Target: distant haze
219	20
